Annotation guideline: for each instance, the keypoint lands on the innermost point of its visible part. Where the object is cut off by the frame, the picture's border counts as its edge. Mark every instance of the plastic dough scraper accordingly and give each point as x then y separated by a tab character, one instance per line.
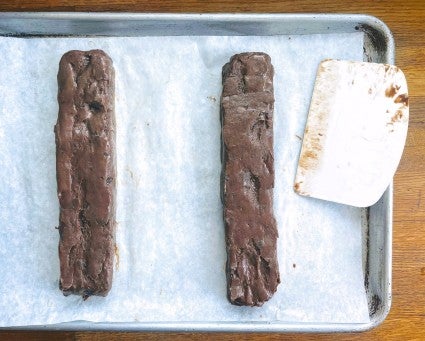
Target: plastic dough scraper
355	132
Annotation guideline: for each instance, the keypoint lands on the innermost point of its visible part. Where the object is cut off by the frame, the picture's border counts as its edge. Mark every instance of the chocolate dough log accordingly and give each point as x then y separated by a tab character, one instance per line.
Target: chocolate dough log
86	172
248	178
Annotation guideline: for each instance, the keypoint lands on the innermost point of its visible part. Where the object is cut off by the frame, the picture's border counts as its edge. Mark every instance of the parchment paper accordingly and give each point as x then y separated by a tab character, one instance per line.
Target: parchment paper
170	233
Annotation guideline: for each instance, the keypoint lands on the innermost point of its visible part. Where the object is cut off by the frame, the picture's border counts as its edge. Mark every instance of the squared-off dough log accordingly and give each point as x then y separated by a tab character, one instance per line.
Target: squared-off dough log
86	172
247	105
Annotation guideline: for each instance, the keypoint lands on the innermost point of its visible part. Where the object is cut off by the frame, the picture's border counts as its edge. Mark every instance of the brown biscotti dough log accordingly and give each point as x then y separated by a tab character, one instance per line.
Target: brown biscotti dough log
248	178
86	172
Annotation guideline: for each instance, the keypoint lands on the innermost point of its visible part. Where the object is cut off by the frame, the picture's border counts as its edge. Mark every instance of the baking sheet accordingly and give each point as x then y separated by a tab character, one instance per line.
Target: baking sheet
170	233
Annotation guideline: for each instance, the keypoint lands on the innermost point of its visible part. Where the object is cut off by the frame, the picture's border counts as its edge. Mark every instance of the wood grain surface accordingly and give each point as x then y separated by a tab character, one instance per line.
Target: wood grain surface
406	19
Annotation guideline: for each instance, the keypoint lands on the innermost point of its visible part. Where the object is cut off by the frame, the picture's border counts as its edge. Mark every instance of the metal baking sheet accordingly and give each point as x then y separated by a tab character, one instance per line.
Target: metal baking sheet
378	47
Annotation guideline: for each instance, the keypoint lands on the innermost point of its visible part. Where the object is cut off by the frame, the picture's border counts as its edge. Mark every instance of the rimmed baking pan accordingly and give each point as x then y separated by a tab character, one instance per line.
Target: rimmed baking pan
378	47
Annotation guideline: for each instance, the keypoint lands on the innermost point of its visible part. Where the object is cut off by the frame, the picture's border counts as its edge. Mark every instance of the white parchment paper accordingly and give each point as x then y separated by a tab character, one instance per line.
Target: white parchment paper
170	233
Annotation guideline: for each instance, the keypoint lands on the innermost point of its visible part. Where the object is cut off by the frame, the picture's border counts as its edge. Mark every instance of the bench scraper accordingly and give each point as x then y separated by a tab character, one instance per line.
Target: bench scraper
355	132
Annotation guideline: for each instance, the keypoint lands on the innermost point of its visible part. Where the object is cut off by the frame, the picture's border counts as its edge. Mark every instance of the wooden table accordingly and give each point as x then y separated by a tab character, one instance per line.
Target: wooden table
406	19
